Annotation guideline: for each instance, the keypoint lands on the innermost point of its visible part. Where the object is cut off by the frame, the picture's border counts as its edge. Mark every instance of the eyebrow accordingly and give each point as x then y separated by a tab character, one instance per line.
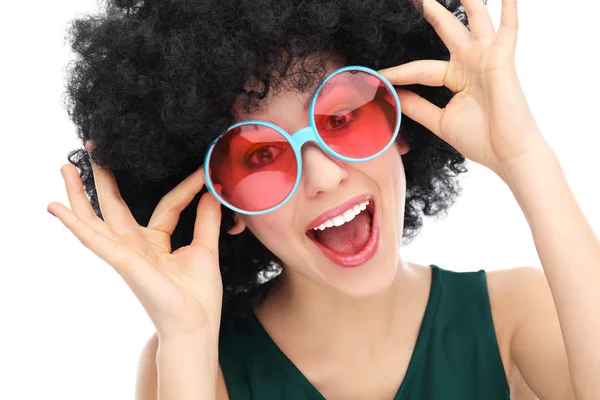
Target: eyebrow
306	104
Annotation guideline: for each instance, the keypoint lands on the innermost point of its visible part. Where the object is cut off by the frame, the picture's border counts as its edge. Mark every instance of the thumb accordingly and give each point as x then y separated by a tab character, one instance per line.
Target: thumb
208	223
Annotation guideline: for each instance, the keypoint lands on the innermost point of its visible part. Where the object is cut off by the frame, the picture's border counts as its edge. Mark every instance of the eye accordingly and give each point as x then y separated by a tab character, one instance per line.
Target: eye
263	155
336	121
339	120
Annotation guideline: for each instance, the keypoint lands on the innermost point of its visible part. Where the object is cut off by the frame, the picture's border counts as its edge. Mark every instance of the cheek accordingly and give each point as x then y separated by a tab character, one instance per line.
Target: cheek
387	170
273	229
397	172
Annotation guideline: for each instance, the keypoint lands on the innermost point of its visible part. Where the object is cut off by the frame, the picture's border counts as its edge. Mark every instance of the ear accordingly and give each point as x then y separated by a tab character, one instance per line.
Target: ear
238	226
403	145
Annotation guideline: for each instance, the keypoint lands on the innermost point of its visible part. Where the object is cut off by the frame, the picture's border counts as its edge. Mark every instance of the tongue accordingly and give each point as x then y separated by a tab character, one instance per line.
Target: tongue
349	238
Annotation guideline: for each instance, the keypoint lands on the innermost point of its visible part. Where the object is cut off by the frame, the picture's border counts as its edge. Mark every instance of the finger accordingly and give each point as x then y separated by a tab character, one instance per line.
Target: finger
167	212
509	25
479	19
122	260
448	27
421	110
114	209
422	72
208	224
99	244
79	202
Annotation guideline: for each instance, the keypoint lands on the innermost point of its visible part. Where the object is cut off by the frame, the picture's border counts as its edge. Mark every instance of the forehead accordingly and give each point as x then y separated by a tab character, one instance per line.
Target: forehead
291	91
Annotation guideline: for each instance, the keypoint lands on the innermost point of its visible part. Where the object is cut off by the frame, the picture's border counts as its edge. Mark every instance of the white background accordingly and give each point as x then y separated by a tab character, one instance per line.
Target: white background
71	329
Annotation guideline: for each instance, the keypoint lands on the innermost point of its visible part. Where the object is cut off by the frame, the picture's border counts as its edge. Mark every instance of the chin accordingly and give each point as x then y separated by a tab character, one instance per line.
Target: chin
373	278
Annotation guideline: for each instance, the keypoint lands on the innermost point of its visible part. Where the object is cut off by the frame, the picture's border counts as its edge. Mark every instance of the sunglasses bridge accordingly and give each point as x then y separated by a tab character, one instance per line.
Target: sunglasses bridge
304	135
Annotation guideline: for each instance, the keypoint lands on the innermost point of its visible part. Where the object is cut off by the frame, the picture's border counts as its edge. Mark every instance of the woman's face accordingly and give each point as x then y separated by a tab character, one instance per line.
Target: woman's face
358	258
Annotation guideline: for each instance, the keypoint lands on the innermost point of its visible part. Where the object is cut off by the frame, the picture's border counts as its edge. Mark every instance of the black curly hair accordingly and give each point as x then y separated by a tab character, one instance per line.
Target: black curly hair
153	83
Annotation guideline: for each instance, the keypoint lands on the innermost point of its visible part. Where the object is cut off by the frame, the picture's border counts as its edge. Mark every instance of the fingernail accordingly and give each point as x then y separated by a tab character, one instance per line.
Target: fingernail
51	213
61	174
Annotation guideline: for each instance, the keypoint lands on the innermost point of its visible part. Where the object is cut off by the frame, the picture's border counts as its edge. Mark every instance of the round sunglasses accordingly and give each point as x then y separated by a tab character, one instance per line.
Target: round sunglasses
255	166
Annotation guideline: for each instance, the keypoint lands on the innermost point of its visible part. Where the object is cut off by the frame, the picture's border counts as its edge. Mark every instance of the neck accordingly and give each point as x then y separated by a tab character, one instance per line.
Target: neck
315	311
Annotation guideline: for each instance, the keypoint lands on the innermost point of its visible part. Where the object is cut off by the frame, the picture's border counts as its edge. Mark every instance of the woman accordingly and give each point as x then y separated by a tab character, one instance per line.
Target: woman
322	168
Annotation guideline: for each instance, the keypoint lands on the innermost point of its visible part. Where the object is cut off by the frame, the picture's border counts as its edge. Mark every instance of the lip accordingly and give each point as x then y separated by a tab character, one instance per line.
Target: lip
339	210
364	255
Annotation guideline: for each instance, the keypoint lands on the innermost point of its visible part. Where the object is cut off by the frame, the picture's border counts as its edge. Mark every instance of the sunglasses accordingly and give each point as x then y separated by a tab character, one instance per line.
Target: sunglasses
255	166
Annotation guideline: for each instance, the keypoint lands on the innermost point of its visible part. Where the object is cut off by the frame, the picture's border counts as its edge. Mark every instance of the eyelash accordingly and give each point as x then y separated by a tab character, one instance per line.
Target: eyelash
249	156
354	115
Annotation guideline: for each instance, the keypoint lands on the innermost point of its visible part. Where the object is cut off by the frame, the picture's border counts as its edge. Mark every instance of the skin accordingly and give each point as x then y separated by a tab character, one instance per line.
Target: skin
326	183
545	319
315	292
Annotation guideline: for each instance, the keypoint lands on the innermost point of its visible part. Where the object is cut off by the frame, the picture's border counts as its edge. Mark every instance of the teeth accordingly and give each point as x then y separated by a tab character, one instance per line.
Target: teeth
346	216
349	215
339	220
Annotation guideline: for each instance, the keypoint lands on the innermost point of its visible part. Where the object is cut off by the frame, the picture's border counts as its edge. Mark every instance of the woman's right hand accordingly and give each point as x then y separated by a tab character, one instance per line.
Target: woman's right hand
181	291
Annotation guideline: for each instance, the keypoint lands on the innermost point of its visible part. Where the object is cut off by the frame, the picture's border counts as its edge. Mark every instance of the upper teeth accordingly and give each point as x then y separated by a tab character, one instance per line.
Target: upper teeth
346	216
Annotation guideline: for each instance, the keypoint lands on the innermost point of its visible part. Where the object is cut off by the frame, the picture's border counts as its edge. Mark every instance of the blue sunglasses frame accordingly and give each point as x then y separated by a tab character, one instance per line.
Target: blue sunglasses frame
302	136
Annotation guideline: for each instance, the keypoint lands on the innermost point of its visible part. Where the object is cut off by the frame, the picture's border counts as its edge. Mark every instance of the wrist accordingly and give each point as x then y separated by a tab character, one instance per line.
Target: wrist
188	330
201	336
519	171
539	185
187	366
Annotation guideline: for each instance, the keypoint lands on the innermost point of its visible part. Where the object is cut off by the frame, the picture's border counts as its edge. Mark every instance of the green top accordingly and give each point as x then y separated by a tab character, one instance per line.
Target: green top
456	355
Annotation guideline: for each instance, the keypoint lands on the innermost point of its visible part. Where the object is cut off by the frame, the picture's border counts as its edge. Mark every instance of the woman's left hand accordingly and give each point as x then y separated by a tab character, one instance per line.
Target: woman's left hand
488	120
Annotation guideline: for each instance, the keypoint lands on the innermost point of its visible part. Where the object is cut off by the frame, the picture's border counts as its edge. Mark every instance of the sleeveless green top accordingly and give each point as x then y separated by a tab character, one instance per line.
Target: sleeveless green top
456	355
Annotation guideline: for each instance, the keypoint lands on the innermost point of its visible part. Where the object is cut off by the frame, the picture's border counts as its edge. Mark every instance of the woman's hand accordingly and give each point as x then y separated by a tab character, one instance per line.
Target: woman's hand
182	290
488	120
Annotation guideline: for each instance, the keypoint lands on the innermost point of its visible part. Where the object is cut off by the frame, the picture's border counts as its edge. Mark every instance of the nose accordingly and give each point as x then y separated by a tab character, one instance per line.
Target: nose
320	172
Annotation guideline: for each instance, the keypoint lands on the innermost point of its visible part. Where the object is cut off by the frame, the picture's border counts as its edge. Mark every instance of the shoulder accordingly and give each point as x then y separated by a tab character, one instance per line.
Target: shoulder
528	331
146	379
525	287
146	386
513	293
518	296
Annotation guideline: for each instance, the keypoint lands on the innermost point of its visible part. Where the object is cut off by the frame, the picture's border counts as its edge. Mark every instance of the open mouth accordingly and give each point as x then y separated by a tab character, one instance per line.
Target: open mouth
352	242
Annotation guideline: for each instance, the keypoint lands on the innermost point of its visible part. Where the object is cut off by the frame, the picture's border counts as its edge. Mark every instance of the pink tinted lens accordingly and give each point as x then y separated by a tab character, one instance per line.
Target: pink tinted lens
253	167
355	114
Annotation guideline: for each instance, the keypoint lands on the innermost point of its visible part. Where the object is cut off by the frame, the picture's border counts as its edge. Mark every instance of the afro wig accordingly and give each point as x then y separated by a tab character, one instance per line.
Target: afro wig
154	82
